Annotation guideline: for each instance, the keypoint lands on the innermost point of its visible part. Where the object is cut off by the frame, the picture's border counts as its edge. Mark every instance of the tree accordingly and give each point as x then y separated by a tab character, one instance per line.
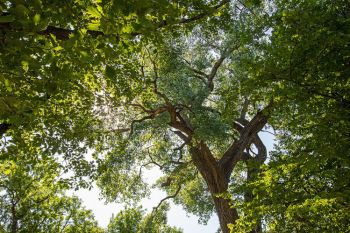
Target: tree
185	87
134	220
187	121
77	42
32	199
305	186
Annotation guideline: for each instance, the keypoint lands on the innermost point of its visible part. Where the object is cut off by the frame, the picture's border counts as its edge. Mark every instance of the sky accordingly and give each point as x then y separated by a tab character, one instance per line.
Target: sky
176	215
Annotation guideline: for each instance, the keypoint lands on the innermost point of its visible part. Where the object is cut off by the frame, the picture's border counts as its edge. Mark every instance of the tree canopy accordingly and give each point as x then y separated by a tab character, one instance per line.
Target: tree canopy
99	91
134	220
32	199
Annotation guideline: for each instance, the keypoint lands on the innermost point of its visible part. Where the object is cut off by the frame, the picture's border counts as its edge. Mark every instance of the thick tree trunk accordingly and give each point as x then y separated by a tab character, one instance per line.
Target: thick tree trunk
226	214
217	184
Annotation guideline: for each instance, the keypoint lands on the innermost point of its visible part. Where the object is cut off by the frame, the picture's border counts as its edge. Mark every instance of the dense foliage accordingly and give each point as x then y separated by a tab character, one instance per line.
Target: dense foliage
32	199
134	220
99	91
305	186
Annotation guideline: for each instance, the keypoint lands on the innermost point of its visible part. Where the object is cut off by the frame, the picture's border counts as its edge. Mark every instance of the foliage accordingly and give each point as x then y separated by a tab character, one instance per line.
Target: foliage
184	86
32	199
305	186
133	220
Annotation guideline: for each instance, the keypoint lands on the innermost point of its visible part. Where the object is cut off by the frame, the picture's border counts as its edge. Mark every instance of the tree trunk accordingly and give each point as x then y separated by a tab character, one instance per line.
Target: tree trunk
226	214
217	184
14	220
216	173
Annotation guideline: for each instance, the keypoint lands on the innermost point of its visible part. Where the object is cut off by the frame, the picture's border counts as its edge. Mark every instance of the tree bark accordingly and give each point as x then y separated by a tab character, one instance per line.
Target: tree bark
226	214
217	173
14	220
217	184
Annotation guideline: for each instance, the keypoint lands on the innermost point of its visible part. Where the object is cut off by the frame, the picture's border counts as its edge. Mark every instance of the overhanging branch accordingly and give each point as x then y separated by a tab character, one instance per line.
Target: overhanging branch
185	138
204	14
152	115
63	33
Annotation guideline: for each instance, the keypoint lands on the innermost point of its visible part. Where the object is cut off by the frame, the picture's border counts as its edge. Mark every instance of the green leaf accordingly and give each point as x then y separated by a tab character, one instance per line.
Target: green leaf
110	72
8	85
25	65
95	12
36	19
21	11
95	26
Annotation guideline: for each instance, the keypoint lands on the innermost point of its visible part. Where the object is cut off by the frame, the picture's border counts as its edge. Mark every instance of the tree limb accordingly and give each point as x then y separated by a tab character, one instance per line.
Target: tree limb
244	108
248	135
217	65
148	117
180	147
262	152
166	198
63	33
152	114
185	138
198	74
204	14
184	121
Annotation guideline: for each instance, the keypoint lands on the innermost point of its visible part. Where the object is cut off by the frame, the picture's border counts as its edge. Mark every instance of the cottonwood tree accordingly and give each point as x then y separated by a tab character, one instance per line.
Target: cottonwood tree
189	120
89	38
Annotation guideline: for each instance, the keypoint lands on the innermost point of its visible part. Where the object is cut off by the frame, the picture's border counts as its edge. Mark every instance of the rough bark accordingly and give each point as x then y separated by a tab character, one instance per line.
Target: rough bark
248	135
216	173
226	214
217	184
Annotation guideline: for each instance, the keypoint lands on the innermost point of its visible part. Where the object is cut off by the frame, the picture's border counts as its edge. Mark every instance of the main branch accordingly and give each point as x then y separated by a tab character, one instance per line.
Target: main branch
248	135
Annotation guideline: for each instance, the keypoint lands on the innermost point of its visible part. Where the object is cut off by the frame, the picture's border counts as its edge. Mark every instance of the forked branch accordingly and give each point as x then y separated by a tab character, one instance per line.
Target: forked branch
217	65
248	135
152	115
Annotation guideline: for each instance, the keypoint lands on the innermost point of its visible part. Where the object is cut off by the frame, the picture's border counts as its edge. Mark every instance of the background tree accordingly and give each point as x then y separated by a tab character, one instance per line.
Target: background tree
59	59
305	185
134	220
32	199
